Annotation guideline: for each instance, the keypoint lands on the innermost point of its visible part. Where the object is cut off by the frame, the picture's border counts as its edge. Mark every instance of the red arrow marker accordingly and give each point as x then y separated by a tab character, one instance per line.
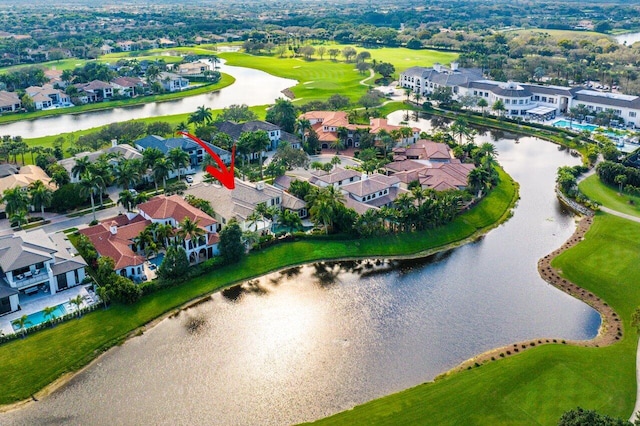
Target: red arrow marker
224	175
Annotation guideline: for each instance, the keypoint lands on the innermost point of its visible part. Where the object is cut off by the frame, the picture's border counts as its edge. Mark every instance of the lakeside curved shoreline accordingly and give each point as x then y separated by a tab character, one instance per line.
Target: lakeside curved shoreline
609	332
138	331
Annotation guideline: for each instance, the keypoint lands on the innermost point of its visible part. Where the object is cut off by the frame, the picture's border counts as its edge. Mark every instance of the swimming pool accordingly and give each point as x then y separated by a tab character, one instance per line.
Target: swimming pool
39	317
573	125
157	260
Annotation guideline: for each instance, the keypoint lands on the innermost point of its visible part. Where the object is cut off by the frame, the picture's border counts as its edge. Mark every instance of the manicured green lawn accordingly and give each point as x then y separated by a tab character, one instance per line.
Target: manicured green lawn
30	364
537	386
318	79
608	196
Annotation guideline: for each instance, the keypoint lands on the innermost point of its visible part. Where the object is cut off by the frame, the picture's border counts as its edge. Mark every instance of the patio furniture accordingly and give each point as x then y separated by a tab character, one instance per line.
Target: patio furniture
19	276
28	274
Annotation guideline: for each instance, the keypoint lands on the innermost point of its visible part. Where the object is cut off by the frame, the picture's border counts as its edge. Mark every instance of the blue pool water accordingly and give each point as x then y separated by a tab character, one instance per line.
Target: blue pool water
39	317
568	125
158	259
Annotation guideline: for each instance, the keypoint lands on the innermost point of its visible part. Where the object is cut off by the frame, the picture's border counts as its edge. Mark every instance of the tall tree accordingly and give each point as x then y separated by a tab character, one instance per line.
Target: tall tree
283	114
40	195
15	200
179	159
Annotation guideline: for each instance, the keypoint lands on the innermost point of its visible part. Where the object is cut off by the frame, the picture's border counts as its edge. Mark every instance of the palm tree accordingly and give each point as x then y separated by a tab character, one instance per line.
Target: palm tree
126	172
253	219
81	166
163	233
78	302
20	217
189	230
343	134
407	92
103	294
482	103
90	184
153	73
48	312
488	149
150	156
22	323
144	238
15	200
126	199
201	116
41	195
259	142
290	220
160	170
178	158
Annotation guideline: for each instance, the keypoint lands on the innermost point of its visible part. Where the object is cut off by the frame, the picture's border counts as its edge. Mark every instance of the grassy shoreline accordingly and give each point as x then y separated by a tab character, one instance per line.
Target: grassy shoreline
31	364
225	81
539	384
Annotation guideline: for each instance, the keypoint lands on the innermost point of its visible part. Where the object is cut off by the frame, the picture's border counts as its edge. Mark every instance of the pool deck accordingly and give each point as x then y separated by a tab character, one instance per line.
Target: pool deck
39	303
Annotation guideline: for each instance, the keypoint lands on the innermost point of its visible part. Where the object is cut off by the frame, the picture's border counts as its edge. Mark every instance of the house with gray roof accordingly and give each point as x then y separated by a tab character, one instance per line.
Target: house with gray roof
115	152
276	134
35	262
195	151
337	177
243	200
374	190
172	82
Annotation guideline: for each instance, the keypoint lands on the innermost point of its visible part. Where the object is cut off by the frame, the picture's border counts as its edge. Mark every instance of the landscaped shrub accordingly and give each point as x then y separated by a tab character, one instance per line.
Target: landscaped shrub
67	197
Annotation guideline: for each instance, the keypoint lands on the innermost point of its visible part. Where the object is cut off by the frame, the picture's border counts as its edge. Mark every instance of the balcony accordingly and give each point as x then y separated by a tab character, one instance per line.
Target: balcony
29	278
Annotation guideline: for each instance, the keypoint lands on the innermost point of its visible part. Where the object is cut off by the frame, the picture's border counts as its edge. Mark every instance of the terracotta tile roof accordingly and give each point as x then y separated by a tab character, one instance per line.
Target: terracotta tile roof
116	246
446	176
429	150
371	185
163	207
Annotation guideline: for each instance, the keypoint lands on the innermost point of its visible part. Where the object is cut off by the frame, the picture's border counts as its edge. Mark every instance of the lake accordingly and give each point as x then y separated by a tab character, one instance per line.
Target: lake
307	342
252	87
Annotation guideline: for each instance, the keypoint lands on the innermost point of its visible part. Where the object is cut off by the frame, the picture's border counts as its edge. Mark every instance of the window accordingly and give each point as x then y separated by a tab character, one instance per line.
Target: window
514	112
486	94
552	100
521	101
544	99
536	98
507	101
475	93
632	113
598	109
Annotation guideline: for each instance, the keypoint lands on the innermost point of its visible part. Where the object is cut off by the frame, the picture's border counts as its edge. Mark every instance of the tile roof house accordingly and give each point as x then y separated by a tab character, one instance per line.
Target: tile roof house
337	177
99	88
243	200
115	237
374	190
32	262
438	175
172	82
276	134
127	86
424	150
194	68
117	151
9	101
327	123
195	151
46	96
26	176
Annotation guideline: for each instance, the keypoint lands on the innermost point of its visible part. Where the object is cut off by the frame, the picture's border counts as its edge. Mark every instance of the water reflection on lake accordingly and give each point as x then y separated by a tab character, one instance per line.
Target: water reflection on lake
310	341
252	87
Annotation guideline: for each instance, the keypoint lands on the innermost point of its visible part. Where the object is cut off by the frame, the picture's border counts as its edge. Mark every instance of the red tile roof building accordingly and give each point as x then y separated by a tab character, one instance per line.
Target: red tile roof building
115	237
430	163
